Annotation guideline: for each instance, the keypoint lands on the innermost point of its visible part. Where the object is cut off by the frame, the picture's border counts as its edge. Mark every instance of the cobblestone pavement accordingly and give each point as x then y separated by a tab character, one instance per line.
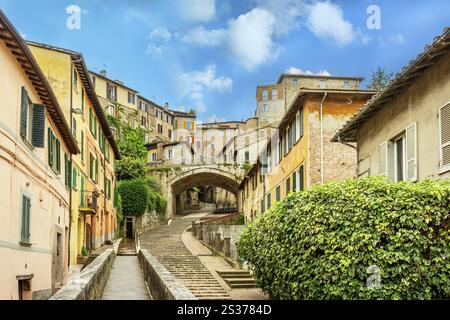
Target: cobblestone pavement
164	242
126	281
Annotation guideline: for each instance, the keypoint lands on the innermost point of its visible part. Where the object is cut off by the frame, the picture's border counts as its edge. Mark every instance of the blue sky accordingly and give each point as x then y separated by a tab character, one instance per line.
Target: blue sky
210	55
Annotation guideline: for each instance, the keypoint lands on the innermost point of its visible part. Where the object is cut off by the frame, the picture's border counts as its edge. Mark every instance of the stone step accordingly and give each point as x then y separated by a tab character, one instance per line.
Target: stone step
235	276
239	280
233	272
243	286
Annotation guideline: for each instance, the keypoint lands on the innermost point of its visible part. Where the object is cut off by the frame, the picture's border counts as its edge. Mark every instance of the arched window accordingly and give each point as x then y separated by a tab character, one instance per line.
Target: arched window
274	94
265	95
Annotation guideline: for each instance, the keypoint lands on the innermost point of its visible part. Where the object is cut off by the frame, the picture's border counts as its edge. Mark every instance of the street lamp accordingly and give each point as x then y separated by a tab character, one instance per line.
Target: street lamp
77	111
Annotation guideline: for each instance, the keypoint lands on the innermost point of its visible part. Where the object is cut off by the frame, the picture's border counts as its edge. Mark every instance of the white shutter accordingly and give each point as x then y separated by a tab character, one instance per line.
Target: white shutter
411	152
444	133
382	156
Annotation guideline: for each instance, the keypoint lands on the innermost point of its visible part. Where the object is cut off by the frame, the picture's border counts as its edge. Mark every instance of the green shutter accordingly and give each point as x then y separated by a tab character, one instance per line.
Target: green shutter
82	191
301	175
116	198
91	166
69	172
96	170
58	154
24	113
82	145
74	177
26	208
90	121
294	182
66	168
38	132
82	100
95	127
50	147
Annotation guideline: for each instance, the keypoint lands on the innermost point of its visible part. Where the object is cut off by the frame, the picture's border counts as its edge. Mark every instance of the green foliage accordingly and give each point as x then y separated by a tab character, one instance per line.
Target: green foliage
238	221
246	166
319	244
119	214
130	168
84	252
192	112
380	79
134	194
153	183
157	202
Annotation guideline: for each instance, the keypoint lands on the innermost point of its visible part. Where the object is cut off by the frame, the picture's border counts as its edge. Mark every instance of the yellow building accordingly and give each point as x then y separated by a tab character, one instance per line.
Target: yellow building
93	215
300	153
35	149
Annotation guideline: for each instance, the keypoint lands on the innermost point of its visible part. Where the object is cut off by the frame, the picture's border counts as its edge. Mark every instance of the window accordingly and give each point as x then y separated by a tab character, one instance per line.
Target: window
170	134
153	157
131	98
262	206
286	141
74	178
299	125
294	182
265	95
346	84
111	92
82	100
159	114
274	94
112	110
82	146
323	84
108	188
444	133
301	178
143	106
188	125
67	171
269	199
294	83
108	151
398	156
54	151
93	168
32	121
265	108
75	78
160	128
247	156
92	123
288	185
25	226
74	128
143	121
93	81
82	191
280	150
278	194
289	138
169	154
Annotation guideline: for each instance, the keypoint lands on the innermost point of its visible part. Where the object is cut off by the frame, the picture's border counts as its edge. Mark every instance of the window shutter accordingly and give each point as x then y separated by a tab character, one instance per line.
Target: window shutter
411	152
82	146
301	178
82	100
58	154
38	130
96	170
26	208
90	121
82	191
444	123
50	147
66	168
23	113
294	182
383	161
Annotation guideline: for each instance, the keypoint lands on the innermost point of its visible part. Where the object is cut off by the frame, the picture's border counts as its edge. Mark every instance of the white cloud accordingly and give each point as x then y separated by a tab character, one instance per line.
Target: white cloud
250	38
198	10
154	49
297	71
214	118
193	84
205	38
286	12
394	39
326	21
160	33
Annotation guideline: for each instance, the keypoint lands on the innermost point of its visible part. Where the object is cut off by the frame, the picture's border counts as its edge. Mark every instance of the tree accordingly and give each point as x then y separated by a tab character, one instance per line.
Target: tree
192	112
380	79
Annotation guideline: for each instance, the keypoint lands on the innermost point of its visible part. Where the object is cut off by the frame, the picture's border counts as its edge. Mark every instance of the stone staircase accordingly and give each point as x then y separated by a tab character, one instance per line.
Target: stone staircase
127	247
238	279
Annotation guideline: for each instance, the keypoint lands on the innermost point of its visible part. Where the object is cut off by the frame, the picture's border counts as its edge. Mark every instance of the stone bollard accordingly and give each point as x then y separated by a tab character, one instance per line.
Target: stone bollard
194	228
217	242
200	231
227	246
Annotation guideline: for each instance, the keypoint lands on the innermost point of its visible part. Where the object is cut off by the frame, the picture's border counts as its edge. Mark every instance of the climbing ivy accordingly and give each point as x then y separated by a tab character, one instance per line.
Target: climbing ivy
327	242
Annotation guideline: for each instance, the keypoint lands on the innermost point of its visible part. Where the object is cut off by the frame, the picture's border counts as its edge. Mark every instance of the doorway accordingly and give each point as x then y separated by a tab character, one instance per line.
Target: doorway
59	259
129	228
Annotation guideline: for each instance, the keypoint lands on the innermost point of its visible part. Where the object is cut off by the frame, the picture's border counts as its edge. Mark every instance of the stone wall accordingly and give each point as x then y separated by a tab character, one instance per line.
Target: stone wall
162	284
91	281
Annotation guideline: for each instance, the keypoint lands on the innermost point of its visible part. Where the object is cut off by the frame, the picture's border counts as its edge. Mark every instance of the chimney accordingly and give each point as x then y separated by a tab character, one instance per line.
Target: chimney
166	106
103	72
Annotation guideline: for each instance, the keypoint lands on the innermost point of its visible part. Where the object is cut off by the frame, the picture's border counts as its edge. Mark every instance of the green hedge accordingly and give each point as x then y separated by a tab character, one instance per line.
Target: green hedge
319	244
134	195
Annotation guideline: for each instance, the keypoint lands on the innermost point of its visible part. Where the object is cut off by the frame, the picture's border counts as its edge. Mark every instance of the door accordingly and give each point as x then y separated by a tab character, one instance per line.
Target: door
129	226
88	237
59	259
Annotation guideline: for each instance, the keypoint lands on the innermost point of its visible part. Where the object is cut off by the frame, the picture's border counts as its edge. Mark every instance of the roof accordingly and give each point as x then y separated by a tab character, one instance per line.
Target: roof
183	114
25	58
83	72
401	81
316	76
119	83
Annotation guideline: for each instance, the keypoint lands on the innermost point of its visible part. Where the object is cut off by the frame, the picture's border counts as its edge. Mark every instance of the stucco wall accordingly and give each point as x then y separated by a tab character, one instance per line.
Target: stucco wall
418	103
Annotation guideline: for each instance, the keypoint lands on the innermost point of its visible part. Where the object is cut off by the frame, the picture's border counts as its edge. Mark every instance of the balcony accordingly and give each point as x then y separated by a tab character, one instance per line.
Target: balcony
90	203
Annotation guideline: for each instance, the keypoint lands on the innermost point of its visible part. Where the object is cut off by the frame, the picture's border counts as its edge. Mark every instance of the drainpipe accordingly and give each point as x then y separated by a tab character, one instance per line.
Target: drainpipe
321	137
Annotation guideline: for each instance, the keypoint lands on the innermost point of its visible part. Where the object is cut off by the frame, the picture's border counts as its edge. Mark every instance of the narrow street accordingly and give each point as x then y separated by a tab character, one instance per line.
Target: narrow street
165	243
126	281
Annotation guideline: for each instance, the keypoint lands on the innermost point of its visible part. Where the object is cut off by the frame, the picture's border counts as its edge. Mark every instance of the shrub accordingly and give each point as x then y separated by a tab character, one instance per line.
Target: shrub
319	244
134	195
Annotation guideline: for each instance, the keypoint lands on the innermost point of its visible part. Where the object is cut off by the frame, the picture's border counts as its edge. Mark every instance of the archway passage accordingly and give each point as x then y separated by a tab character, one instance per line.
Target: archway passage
202	177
